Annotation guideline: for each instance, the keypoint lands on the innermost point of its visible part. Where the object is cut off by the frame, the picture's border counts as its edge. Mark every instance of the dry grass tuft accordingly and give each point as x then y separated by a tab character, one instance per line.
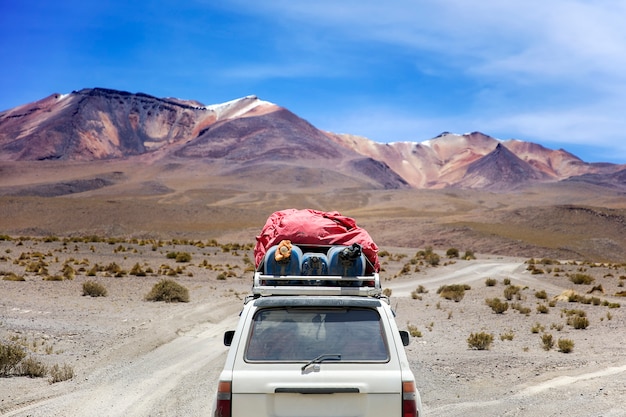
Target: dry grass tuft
454	292
94	289
480	341
168	291
60	373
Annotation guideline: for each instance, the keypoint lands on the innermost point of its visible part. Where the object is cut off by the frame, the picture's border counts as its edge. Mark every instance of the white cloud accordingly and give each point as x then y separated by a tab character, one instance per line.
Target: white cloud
582	126
552	70
262	71
552	41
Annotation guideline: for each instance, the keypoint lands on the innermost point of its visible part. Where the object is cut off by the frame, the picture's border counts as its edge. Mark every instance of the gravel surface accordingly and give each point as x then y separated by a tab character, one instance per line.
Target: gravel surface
133	357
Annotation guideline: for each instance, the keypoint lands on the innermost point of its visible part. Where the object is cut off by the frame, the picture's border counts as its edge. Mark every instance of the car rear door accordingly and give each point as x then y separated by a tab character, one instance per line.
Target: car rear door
321	359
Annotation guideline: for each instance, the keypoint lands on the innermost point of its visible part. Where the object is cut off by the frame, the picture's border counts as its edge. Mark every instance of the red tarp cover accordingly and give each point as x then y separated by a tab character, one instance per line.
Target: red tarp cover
313	227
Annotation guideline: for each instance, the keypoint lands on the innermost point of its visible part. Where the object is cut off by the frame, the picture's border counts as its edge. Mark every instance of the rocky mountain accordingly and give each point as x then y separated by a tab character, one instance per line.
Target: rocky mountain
249	137
94	124
475	160
499	170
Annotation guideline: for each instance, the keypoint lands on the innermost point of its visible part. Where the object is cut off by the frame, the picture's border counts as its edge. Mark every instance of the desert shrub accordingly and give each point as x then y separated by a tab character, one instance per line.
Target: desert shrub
120	248
581	279
11	276
183	257
542	295
168	291
413	330
543	309
556	326
113	268
480	341
137	270
491	282
60	373
32	368
433	259
565	345
53	278
507	281
537	328
10	357
520	308
510	291
68	272
547	341
247	261
497	305
421	290
587	300
578	322
406	269
428	256
574	312
38	267
94	289
596	288
387	292
573	297
452	253
454	292
507	336
469	255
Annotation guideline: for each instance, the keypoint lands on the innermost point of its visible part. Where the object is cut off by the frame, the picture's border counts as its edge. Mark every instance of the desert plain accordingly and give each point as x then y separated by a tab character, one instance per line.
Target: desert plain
132	357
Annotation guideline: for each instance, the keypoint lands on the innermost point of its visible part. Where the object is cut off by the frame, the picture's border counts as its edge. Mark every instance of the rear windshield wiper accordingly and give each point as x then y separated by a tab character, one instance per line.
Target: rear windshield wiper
321	358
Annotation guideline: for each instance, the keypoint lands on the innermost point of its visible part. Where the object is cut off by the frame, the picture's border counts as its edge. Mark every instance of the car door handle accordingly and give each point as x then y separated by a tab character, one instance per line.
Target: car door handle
308	390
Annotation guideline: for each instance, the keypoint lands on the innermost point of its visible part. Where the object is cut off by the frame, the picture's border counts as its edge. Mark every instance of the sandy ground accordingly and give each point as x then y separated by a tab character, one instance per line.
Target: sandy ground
132	357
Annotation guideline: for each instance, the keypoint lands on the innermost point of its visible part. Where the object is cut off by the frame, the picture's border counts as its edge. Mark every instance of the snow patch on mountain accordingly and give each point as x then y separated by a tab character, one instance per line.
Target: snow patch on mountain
237	107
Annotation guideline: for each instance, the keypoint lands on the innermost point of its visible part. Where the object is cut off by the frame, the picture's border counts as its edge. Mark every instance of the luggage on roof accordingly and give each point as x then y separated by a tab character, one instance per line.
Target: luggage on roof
310	227
283	259
346	260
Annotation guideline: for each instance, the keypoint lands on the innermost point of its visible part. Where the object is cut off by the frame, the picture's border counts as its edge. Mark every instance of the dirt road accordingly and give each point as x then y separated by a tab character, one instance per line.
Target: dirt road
177	376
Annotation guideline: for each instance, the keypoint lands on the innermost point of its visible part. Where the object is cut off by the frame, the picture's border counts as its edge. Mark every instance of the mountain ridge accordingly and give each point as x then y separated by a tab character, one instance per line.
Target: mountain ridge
102	124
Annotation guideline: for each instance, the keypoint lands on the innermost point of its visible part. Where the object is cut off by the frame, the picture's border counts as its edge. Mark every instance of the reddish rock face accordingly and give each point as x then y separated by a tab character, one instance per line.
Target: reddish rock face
475	160
102	124
94	124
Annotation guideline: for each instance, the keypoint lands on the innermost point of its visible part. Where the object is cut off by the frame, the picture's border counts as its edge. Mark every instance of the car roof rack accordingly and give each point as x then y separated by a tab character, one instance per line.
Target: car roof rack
361	286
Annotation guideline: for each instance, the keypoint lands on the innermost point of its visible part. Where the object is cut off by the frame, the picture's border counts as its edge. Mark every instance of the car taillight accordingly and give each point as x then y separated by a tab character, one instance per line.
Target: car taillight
409	404
223	405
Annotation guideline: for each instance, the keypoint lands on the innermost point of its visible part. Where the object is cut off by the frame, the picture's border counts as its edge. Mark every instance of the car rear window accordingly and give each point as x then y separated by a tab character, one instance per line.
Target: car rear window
302	334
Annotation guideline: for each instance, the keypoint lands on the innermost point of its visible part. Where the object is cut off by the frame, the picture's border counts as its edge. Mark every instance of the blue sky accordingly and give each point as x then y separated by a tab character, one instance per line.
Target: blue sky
551	72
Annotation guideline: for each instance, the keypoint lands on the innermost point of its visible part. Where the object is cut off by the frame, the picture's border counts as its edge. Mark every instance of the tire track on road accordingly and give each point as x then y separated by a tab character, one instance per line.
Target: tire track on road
521	403
464	274
141	388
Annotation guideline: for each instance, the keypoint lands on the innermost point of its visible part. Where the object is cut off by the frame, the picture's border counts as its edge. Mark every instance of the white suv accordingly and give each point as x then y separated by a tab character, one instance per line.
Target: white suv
307	346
